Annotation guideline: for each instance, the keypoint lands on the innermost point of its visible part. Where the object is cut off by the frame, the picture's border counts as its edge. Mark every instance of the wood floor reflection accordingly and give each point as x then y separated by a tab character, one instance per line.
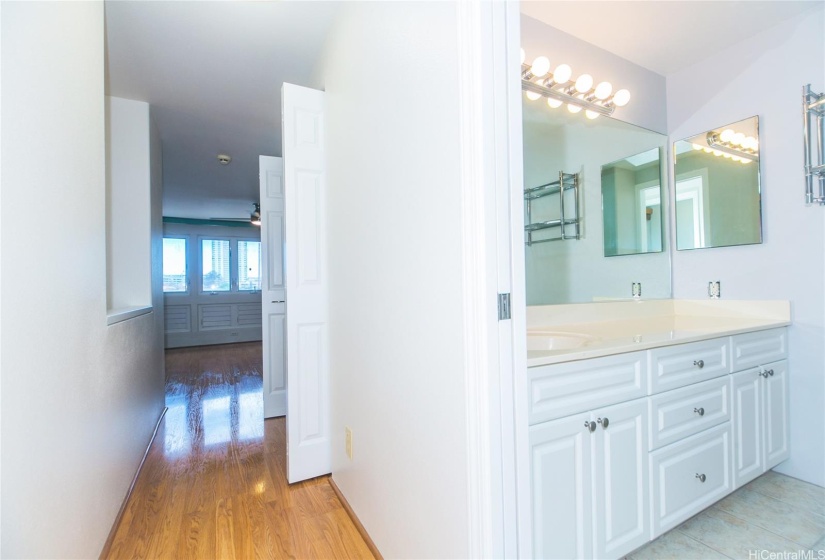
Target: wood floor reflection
214	482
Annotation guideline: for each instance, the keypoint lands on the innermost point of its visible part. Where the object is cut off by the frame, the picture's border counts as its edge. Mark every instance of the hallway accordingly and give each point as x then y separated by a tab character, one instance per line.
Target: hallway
214	482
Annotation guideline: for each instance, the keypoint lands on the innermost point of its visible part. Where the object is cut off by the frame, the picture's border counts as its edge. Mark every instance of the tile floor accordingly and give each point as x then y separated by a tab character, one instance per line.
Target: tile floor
774	513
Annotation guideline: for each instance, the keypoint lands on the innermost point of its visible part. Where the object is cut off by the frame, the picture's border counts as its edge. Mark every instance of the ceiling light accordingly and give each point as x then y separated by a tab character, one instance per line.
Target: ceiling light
255	217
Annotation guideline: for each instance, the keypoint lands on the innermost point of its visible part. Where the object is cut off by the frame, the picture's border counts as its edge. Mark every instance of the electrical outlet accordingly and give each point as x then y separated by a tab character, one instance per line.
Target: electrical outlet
348	441
715	289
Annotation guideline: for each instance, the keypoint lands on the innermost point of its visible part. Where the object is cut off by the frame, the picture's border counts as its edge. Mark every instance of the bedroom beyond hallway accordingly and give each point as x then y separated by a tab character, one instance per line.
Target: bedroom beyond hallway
214	481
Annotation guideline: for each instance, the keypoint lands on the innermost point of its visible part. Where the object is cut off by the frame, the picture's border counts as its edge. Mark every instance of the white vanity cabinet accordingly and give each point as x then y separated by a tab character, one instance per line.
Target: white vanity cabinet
590	489
759	389
627	446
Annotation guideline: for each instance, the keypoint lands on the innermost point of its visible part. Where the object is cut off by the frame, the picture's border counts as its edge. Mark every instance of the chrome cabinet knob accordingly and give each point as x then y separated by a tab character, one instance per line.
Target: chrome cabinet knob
770	372
604	422
699	363
701	477
591	426
699	411
764	374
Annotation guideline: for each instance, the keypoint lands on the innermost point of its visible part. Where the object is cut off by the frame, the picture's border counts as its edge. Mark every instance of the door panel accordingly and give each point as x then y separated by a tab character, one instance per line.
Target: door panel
747	426
273	294
307	419
776	414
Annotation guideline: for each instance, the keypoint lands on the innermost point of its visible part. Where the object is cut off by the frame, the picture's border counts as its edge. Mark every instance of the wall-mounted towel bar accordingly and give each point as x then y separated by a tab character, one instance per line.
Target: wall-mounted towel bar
568	218
813	117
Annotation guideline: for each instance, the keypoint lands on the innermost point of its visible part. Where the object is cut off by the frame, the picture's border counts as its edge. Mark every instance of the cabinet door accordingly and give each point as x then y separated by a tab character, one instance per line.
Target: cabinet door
775	405
748	461
560	462
620	479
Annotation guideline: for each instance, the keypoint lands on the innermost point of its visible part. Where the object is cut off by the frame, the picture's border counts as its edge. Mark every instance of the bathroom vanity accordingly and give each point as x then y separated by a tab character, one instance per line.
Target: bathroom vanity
642	414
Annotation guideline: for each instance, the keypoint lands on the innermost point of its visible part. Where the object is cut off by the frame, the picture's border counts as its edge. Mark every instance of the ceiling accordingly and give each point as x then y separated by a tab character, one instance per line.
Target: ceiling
212	73
664	36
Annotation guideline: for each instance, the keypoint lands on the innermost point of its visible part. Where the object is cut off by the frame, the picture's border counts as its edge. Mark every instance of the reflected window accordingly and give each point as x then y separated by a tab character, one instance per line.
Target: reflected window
250	415
177	437
217	420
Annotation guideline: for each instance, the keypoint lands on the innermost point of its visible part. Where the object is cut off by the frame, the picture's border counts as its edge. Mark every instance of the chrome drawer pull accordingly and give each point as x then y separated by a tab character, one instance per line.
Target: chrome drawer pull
590	425
701	477
604	422
699	363
699	411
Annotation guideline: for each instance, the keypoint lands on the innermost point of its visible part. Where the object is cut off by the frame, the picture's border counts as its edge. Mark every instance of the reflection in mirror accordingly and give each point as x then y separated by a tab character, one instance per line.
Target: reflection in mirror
632	204
718	195
576	270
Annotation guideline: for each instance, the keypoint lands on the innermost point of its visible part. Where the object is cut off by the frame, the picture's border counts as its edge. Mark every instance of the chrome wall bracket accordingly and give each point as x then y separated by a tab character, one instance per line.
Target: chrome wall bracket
813	118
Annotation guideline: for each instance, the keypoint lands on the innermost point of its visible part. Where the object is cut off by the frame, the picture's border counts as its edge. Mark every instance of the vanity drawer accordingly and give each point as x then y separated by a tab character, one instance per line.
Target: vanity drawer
680	413
559	390
676	470
672	367
758	348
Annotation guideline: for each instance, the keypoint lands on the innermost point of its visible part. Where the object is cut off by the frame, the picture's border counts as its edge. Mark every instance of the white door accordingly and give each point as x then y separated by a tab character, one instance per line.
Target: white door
746	391
272	285
307	416
775	403
621	511
560	458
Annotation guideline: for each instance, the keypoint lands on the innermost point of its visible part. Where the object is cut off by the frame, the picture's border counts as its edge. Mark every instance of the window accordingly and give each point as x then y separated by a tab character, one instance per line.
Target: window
249	265
215	261
174	265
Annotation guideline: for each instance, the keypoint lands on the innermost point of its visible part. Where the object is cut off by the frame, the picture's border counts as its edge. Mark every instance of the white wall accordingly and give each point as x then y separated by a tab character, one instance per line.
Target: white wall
80	399
128	203
764	76
395	274
647	107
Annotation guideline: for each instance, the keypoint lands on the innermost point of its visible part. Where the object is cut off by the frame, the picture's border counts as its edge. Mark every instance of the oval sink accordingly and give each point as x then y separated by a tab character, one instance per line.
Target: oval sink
552	340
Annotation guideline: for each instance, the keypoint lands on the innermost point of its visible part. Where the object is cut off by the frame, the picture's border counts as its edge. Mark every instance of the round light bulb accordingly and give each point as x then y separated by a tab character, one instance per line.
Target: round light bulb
726	156
736	158
540	67
573	108
532	95
603	90
562	73
591	114
697	147
584	83
726	135
745	160
717	153
523	56
737	139
554	103
621	98
750	143
707	150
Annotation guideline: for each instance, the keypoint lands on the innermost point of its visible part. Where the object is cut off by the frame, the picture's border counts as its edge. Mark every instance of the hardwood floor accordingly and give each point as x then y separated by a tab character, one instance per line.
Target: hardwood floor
214	482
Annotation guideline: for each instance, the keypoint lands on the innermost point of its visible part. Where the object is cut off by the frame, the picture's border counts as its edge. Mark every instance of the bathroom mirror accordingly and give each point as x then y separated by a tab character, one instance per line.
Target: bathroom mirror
576	270
718	194
632	204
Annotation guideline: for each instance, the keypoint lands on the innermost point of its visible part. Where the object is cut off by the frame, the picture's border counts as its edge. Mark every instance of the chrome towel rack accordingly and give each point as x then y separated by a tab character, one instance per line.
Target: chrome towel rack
567	216
813	109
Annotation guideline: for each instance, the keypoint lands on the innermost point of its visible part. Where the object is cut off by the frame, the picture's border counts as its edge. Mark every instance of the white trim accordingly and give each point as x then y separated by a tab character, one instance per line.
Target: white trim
477	300
126	313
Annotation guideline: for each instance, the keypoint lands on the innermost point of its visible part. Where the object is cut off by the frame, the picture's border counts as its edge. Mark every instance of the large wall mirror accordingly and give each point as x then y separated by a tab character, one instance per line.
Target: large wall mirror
578	270
718	194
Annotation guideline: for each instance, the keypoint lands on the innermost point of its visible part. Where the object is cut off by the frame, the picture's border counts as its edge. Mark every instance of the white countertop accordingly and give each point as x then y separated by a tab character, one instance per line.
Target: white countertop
633	327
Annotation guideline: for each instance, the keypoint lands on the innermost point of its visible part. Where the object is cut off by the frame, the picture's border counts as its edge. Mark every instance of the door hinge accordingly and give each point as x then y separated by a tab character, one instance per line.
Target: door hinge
503	307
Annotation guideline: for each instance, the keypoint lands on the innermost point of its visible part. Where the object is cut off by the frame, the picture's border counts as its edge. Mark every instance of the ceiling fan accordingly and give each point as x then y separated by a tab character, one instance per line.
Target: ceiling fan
254	218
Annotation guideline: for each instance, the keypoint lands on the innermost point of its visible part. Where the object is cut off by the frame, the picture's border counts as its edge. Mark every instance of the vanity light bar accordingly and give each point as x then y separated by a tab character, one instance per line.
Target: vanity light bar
558	88
734	143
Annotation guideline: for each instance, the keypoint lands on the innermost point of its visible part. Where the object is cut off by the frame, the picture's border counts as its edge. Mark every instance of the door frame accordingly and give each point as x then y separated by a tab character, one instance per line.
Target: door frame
492	223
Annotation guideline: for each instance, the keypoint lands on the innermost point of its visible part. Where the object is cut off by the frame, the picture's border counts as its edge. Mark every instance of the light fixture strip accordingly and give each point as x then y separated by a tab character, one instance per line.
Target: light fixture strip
527	85
715	142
